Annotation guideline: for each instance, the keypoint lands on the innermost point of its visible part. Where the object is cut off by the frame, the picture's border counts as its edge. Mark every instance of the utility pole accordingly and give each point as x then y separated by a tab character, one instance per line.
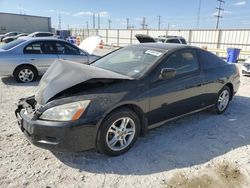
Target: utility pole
218	16
59	22
198	15
144	25
93	20
127	23
99	21
87	25
159	22
109	21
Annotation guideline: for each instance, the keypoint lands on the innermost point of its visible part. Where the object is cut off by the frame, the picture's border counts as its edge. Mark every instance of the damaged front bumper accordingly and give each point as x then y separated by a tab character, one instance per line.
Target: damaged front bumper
53	135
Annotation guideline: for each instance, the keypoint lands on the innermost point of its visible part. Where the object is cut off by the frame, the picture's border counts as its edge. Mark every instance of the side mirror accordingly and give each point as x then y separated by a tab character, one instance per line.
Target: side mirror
167	73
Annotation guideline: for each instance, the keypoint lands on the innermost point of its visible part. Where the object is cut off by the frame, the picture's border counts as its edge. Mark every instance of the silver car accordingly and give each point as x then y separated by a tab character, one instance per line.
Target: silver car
28	58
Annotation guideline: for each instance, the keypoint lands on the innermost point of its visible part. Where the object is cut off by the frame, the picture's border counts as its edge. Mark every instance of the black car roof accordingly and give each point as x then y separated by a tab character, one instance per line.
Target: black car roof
163	46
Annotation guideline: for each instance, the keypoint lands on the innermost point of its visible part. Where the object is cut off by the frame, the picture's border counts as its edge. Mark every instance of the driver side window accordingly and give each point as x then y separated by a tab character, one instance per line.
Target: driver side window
183	61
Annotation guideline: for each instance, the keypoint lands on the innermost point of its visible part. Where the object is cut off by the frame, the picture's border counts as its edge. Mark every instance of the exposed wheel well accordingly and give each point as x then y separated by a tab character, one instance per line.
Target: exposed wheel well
25	65
230	85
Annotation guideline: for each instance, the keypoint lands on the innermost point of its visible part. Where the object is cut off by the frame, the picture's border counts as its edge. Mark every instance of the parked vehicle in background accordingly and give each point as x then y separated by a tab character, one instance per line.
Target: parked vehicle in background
106	105
161	39
246	67
9	39
26	58
41	34
171	39
10	34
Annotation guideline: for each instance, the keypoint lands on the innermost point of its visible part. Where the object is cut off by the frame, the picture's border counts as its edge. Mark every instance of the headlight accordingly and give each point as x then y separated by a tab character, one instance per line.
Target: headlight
246	65
66	112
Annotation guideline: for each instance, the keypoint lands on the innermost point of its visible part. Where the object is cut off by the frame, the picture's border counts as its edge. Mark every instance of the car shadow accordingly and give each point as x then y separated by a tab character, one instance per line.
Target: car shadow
183	143
12	82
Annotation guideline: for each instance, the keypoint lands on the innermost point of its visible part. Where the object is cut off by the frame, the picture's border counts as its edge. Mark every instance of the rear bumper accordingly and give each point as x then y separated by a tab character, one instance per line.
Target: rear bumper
59	136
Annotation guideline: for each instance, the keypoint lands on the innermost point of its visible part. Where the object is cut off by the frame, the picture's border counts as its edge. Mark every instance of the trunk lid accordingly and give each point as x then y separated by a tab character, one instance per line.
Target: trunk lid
144	38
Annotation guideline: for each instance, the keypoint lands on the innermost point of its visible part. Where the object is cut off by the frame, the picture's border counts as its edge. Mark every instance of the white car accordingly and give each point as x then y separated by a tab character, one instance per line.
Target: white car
246	67
27	58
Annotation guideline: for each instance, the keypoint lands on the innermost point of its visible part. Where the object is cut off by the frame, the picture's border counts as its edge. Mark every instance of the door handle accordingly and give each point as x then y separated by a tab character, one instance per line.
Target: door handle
32	59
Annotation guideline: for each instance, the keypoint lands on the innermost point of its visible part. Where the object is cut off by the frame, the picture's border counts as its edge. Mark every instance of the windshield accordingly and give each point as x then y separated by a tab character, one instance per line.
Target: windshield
131	61
12	44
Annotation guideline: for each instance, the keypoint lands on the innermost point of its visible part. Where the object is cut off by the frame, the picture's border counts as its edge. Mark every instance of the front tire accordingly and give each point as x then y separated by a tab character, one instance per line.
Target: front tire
223	100
25	74
118	132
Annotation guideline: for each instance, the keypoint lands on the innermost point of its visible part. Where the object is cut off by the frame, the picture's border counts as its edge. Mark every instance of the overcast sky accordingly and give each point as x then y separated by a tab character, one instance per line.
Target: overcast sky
175	14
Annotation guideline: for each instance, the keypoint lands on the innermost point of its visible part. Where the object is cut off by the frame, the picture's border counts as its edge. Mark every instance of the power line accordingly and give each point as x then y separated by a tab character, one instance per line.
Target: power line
220	9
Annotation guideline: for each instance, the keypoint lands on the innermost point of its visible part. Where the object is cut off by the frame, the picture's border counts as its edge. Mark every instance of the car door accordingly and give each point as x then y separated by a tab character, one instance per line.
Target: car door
179	95
70	52
41	54
212	68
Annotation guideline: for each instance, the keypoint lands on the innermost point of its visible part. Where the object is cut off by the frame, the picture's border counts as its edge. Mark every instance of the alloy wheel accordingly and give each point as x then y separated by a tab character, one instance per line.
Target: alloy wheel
26	75
223	100
120	134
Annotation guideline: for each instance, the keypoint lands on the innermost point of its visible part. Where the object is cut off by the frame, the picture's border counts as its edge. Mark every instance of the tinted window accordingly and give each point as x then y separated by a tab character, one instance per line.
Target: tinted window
44	34
12	44
40	48
173	41
66	49
183	41
183	61
209	60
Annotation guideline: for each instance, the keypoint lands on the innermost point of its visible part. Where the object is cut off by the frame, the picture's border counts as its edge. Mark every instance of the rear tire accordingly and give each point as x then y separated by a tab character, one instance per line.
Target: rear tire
118	132
25	74
223	100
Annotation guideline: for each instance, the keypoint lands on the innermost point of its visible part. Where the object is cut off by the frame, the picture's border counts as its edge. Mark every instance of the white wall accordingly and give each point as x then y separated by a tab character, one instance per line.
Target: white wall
213	39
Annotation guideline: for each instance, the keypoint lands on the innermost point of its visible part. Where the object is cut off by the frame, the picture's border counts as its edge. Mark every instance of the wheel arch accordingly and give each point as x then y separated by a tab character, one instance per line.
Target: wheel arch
26	64
136	109
231	87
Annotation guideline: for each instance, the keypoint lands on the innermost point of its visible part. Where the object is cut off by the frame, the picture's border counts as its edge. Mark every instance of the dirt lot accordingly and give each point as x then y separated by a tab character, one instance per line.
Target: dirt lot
203	150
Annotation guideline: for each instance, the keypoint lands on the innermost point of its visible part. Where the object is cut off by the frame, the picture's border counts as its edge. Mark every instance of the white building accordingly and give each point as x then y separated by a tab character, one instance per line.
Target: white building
23	23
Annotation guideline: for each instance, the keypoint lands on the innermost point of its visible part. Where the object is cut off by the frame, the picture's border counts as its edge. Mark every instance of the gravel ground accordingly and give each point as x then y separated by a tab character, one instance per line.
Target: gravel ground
202	150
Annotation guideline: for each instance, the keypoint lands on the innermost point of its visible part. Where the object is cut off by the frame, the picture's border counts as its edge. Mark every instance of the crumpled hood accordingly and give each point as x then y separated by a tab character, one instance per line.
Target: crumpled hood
63	74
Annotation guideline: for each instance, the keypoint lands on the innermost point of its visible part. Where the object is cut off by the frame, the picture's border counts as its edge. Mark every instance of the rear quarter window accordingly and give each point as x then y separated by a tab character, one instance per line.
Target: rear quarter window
208	60
176	41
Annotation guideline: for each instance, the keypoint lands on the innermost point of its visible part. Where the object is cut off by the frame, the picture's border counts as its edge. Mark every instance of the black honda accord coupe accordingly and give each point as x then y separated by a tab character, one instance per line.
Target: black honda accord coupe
106	105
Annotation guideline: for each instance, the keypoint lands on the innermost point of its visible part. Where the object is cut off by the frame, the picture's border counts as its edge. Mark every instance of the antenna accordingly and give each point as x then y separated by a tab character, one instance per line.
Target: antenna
218	16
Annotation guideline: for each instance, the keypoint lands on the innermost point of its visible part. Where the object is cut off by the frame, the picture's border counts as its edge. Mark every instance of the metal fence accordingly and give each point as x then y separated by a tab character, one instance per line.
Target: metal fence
215	40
